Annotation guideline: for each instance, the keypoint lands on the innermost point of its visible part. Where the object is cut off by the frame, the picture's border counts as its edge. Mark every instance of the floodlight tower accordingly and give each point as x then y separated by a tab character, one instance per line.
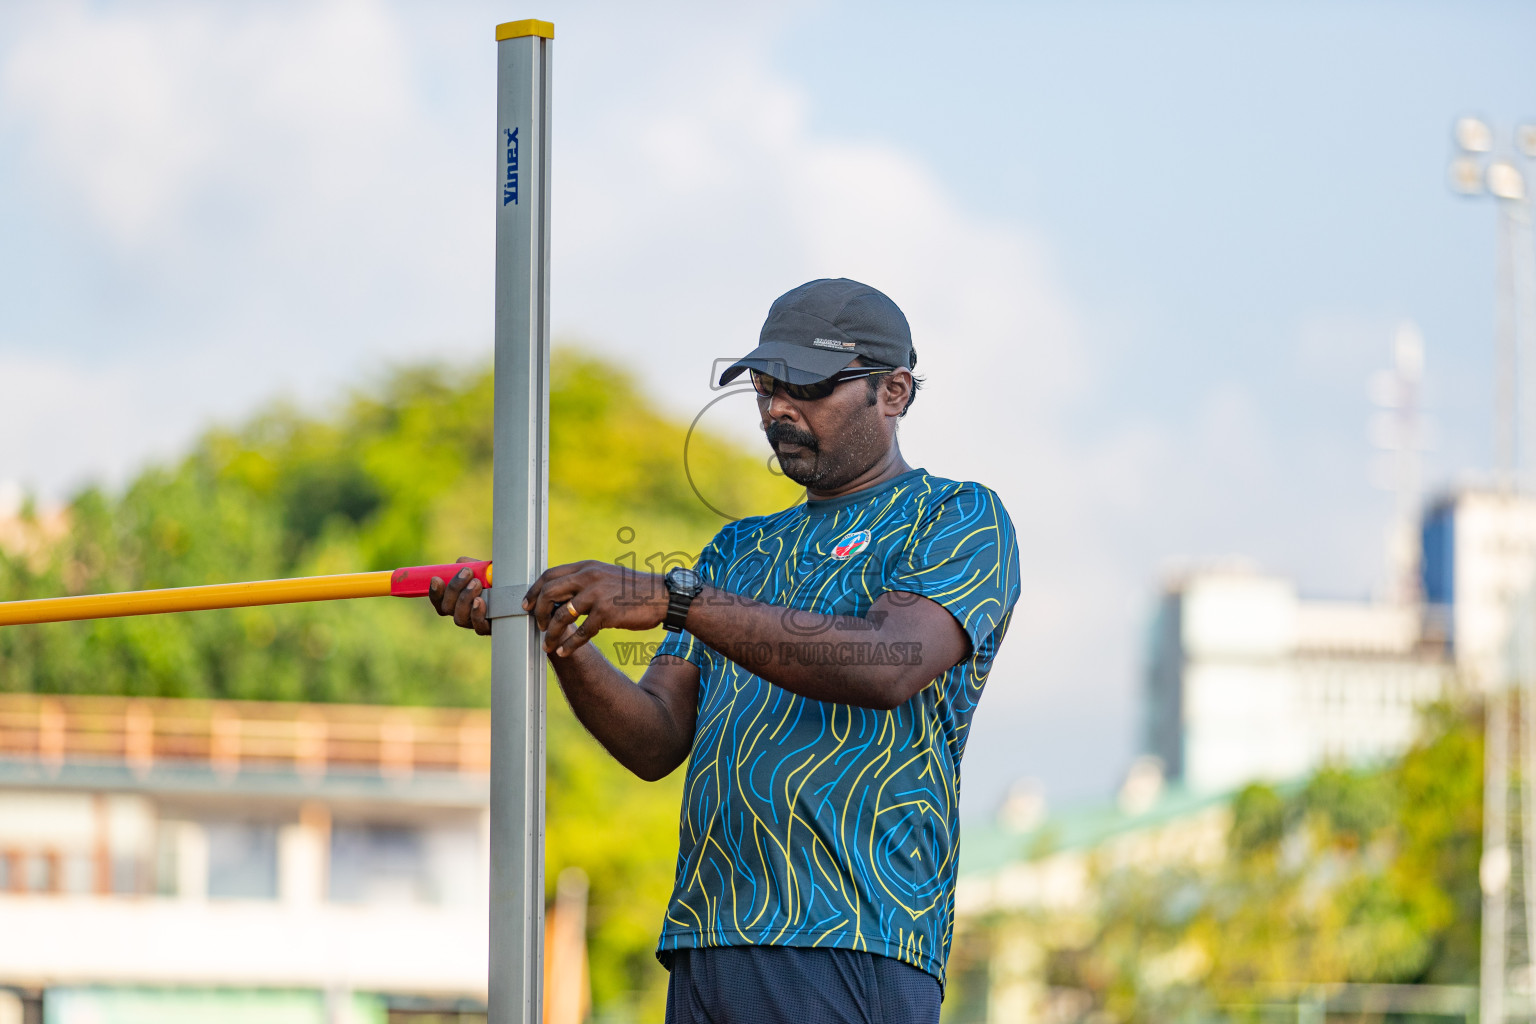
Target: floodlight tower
1507	873
1482	169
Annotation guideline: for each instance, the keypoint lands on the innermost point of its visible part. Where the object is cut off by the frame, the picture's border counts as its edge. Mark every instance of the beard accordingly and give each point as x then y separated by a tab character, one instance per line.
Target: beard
810	466
803	466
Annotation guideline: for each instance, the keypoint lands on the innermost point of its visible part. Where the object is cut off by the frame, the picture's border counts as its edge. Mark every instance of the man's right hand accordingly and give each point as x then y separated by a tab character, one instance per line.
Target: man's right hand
647	726
463	597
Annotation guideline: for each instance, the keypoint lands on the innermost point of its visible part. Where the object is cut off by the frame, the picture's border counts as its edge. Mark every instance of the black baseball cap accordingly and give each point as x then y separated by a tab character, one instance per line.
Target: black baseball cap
817	329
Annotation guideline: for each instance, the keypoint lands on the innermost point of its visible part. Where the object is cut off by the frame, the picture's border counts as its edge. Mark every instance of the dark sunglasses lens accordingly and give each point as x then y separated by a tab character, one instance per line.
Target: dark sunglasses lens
764	384
811	392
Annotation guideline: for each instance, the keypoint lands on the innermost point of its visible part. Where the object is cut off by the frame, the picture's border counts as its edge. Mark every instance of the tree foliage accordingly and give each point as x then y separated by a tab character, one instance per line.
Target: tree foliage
1354	875
399	474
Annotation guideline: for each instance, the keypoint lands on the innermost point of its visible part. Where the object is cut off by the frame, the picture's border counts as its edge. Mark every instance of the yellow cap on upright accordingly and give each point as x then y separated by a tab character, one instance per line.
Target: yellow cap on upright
526	27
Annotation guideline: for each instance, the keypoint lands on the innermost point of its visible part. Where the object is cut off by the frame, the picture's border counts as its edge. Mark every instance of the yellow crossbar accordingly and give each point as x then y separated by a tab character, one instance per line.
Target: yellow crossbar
196	599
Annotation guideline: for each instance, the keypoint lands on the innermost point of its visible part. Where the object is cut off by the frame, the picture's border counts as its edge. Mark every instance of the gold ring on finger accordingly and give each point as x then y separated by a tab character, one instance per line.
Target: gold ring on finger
571	606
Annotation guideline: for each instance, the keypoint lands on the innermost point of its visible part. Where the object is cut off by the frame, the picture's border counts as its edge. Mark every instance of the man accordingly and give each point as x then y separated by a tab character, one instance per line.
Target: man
820	675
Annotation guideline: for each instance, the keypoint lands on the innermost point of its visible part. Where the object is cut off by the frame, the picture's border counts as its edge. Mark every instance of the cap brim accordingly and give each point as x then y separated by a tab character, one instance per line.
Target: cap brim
795	364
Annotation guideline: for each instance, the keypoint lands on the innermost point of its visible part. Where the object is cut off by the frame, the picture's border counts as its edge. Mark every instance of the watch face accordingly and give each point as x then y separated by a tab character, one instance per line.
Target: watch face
685	580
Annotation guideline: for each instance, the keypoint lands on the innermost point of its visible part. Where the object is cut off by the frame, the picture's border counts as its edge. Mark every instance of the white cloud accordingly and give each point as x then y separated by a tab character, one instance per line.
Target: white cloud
67	423
140	115
267	173
115	124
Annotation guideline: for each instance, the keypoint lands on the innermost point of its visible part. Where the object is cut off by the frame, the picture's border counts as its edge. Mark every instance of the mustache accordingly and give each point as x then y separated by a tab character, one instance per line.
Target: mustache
786	433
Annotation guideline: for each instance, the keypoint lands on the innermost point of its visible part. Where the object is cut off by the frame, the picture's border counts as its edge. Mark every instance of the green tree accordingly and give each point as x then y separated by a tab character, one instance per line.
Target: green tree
1353	875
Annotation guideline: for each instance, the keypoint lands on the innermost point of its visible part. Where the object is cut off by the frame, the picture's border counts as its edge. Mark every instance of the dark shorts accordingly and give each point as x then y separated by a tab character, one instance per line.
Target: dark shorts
789	985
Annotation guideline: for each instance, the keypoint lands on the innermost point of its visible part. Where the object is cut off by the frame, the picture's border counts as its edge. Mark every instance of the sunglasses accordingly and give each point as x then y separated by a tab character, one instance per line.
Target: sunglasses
764	385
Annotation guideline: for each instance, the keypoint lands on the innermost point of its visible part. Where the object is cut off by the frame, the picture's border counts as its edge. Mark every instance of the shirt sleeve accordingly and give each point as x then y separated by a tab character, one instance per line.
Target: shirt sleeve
963	554
684	645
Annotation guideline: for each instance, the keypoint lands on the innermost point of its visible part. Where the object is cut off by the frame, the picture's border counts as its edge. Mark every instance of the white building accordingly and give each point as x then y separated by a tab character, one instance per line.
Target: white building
189	860
1248	680
1479	560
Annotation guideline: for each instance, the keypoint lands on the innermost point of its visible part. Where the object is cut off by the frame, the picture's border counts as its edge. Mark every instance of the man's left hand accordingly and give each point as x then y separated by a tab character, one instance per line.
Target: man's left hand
610	596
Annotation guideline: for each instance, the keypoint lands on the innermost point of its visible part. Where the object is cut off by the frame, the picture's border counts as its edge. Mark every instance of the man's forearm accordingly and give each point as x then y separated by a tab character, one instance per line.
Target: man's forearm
837	658
876	661
632	723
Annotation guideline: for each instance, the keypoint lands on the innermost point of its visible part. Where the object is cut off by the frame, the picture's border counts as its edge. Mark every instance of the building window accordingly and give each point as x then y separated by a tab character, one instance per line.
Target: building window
242	860
77	873
29	871
126	875
373	862
40	872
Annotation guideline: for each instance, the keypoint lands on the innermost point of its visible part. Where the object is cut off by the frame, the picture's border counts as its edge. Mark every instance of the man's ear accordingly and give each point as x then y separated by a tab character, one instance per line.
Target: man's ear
895	389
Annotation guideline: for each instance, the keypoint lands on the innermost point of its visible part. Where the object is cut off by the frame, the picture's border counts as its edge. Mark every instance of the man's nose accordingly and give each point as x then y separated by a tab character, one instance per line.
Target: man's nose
780	407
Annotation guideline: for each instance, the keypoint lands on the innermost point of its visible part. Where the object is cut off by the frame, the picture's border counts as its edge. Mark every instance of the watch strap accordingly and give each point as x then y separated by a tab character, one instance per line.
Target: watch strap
677	611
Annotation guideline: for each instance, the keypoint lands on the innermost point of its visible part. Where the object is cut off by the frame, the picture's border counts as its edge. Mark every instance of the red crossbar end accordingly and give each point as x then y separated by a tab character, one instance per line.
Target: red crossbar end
413	581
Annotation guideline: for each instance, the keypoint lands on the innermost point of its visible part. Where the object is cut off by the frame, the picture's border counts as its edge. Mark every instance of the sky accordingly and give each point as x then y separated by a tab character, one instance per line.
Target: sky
1151	254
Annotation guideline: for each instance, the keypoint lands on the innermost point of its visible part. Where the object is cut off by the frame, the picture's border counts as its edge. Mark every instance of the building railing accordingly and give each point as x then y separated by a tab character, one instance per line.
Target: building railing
228	736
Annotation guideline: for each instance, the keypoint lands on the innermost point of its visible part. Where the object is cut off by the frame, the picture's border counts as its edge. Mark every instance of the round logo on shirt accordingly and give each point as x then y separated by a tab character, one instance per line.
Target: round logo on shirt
851	544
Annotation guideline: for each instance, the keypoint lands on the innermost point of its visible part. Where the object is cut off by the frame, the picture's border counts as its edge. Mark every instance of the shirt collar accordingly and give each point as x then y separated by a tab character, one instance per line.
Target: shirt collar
830	505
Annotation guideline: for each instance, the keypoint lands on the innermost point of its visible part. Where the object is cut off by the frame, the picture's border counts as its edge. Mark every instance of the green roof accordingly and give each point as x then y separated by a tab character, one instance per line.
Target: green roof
986	847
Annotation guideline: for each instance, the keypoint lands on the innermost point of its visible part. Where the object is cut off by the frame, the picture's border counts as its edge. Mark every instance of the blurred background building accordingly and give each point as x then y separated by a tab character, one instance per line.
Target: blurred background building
1249	680
165	860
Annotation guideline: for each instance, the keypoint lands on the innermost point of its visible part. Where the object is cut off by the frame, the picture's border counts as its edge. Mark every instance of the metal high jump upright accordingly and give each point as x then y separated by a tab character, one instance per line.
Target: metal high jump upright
521	504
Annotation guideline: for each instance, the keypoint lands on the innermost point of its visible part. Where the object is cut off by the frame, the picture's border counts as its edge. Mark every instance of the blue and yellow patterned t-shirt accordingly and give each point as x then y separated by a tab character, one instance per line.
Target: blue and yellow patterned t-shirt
808	823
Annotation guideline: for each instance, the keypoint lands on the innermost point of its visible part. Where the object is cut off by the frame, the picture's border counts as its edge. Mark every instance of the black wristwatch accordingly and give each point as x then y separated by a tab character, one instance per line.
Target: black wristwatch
683	585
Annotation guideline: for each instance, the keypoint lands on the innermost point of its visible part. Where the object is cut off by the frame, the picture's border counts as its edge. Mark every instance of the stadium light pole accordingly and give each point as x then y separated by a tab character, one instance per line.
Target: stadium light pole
1482	168
521	506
